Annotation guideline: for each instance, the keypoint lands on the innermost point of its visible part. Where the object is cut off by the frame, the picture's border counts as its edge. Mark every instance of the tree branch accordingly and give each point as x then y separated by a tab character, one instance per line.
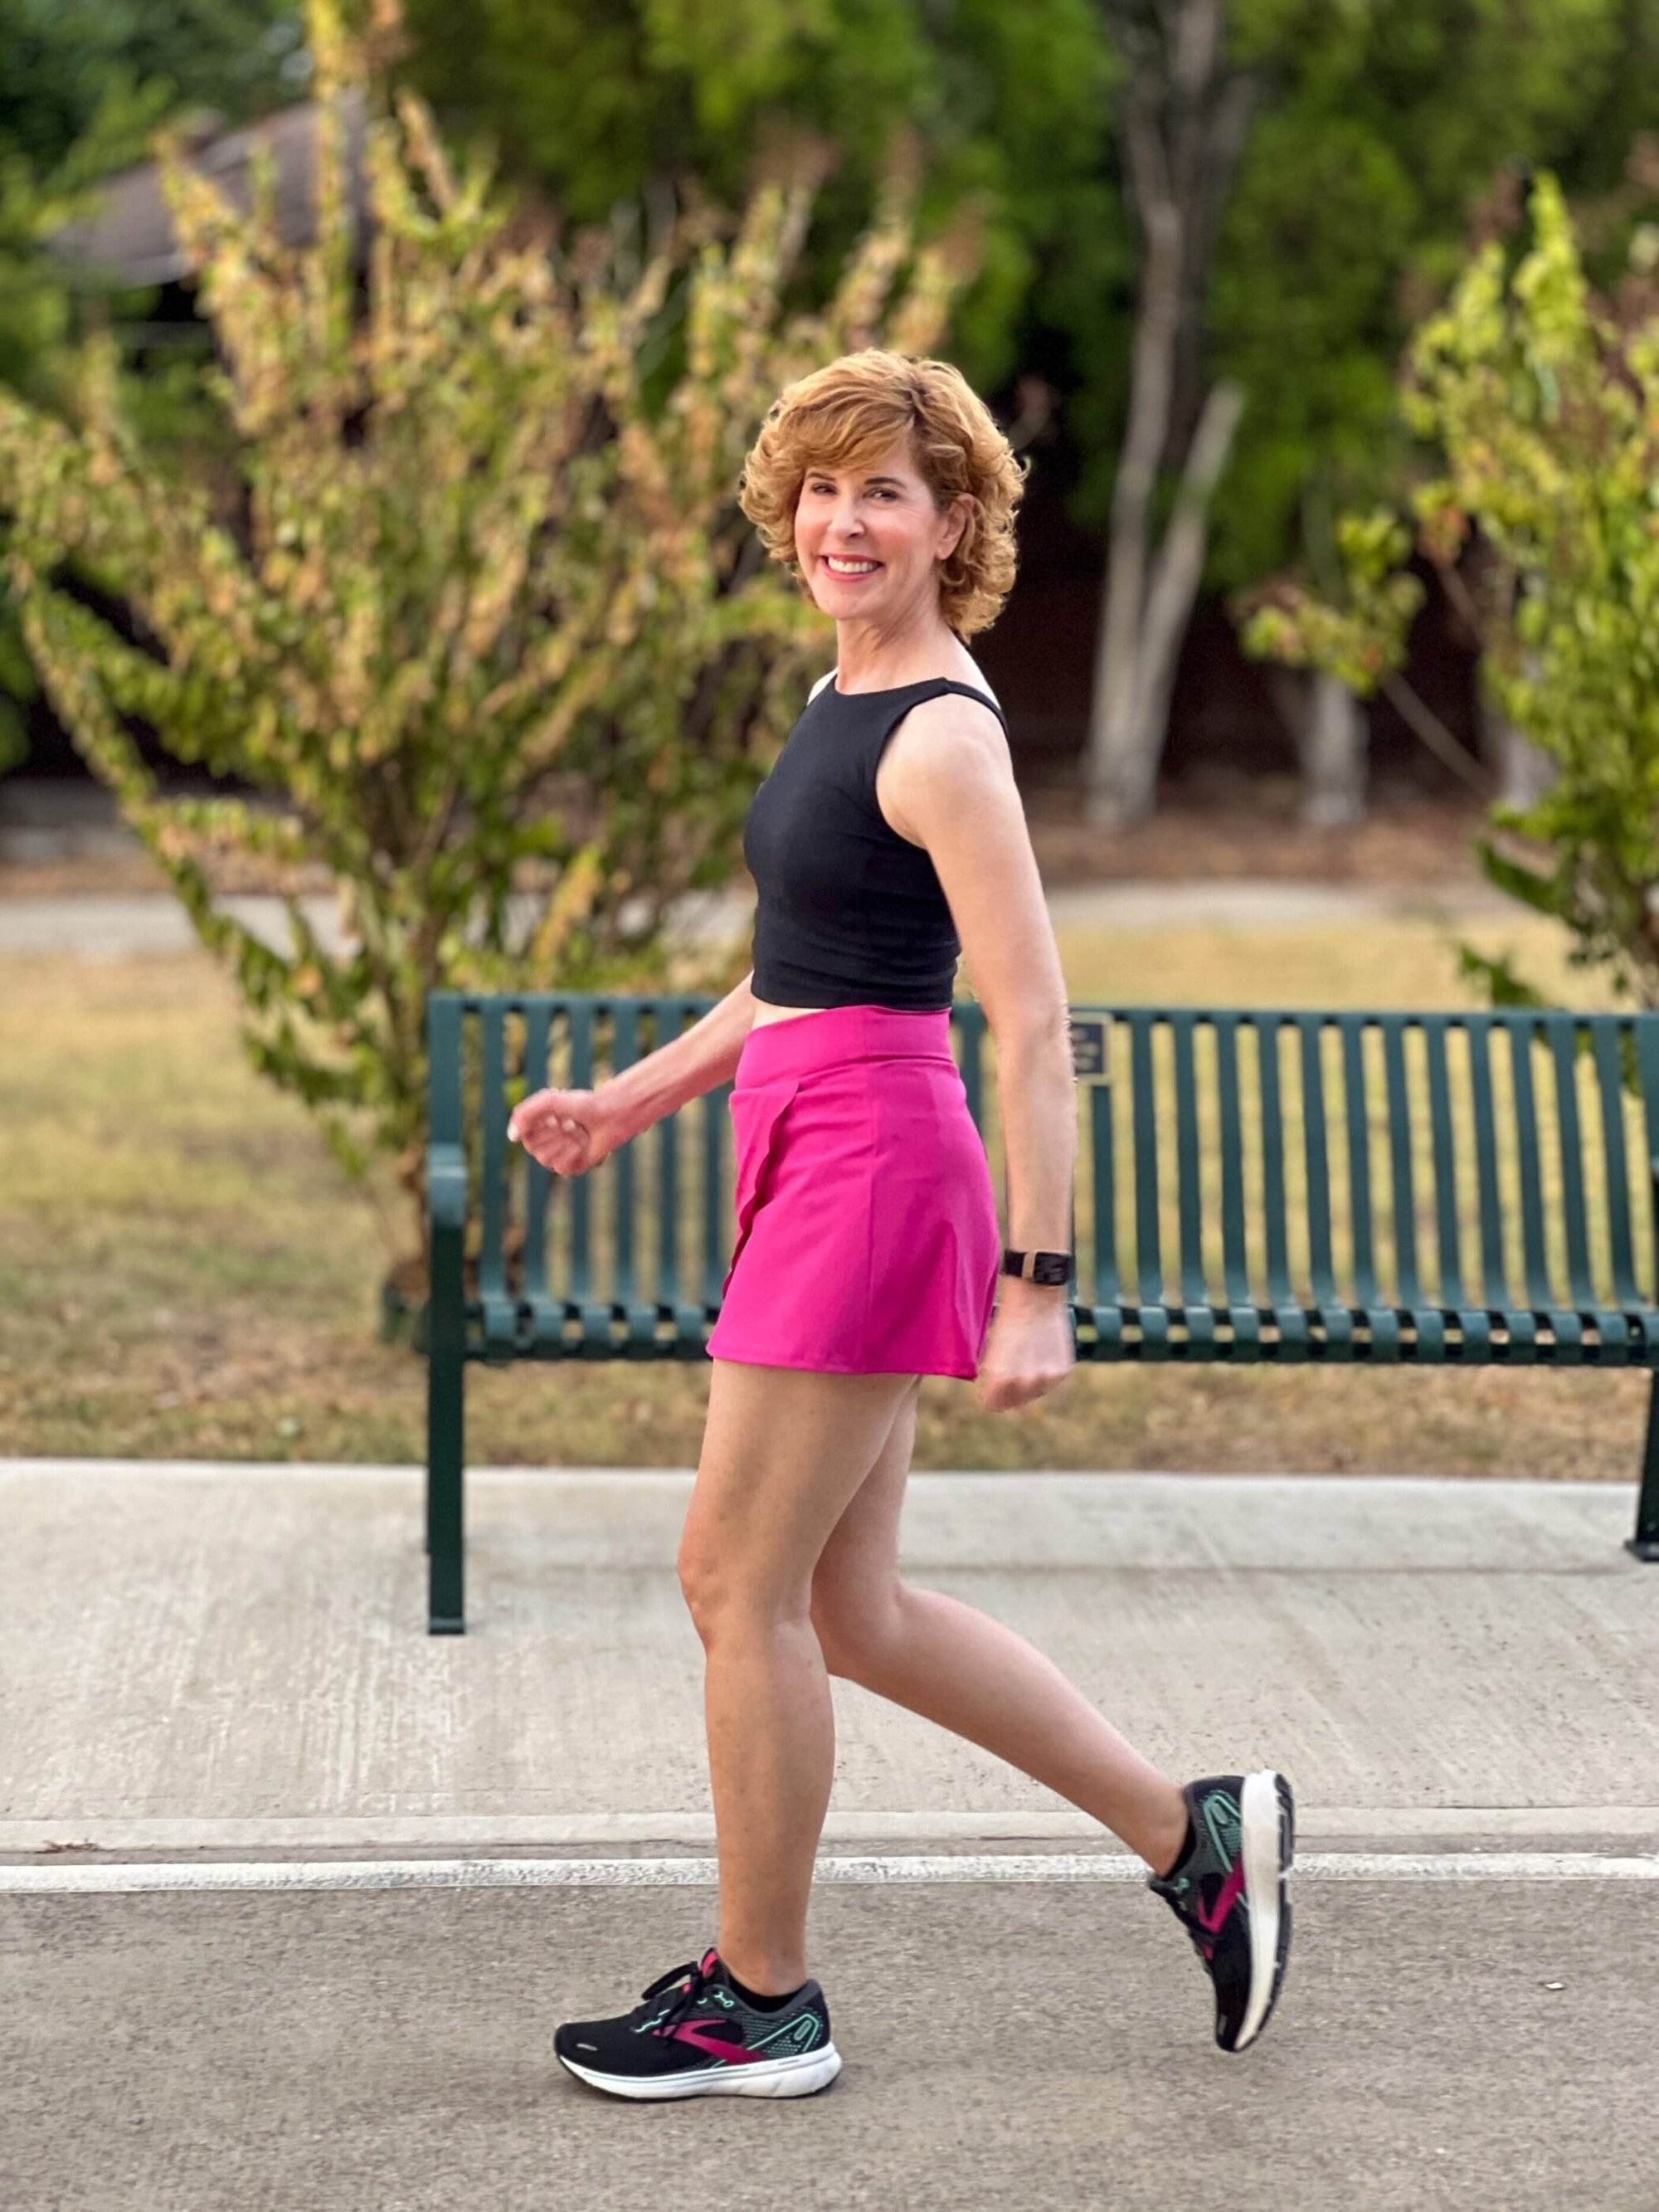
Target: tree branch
1425	724
1181	562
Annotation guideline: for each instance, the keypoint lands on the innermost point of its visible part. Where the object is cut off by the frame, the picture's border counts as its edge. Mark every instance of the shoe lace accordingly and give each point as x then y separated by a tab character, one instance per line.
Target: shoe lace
697	1981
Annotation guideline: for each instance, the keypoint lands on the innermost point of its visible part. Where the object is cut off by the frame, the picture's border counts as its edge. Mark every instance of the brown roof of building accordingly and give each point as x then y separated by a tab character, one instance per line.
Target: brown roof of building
131	236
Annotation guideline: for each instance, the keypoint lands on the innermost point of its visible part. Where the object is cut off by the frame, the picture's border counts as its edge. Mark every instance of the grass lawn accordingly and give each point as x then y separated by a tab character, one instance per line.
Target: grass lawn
184	1273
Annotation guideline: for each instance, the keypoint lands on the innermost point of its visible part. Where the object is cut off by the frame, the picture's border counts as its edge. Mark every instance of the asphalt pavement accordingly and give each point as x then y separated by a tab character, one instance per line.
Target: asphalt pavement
1005	2047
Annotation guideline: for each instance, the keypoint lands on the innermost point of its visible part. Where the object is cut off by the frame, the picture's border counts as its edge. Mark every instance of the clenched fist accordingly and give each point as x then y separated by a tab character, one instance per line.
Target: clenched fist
567	1131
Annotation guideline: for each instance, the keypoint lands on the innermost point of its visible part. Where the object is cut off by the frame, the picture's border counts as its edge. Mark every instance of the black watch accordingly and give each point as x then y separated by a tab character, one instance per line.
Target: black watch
1039	1266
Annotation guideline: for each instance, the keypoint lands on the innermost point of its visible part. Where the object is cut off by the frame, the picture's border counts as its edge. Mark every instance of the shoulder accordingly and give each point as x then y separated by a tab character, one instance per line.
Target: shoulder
935	733
942	750
820	685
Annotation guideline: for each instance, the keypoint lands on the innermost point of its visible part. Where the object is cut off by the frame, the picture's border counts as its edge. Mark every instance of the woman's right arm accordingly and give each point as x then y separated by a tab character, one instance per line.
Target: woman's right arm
704	1058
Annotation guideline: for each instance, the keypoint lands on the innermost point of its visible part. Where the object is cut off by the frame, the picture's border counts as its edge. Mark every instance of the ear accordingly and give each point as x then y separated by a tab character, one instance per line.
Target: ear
955	522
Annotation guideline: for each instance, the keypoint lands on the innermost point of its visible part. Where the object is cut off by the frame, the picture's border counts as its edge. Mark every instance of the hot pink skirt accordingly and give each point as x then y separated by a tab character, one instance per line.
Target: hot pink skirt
867	1239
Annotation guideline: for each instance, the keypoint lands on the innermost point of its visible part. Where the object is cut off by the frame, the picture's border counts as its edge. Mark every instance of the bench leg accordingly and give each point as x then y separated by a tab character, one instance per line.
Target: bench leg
1646	1542
445	1463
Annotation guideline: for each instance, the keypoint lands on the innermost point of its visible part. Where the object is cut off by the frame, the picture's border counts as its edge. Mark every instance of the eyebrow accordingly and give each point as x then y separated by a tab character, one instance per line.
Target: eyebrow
874	480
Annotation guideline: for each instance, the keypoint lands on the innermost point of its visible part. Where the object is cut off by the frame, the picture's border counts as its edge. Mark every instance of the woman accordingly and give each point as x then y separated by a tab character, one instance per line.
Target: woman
888	839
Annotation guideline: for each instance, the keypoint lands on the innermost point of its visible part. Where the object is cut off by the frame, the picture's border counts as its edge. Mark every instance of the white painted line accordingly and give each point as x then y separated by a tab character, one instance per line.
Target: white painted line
1508	1490
132	1879
1422	1827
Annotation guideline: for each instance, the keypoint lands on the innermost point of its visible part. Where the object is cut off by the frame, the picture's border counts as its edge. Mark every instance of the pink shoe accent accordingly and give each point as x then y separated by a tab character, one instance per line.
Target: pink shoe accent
715	2045
1224	1903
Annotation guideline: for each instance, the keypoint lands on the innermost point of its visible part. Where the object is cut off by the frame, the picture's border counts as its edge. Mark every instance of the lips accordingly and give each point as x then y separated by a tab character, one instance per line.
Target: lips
852	576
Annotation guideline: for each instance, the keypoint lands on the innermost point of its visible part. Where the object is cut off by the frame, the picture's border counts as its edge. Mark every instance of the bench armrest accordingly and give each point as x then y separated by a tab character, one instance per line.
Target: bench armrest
446	1186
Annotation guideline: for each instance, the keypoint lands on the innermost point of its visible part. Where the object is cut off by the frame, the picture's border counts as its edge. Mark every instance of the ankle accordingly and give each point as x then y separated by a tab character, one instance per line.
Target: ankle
767	1979
1171	1846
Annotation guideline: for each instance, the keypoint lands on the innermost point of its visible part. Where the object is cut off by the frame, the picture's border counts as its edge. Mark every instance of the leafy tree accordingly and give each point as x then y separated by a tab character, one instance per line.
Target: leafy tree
84	85
1540	404
68	62
1298	171
596	101
1382	123
483	617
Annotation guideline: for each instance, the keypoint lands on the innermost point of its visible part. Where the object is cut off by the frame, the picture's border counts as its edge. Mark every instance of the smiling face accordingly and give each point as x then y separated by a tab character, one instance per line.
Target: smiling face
869	540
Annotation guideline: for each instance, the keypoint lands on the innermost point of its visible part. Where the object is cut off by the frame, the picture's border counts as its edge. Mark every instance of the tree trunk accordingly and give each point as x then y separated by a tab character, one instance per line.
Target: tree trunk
1333	752
1522	771
1329	729
1185	117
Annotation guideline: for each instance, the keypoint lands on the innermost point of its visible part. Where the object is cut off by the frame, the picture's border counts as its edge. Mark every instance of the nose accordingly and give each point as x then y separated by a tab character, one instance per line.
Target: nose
844	519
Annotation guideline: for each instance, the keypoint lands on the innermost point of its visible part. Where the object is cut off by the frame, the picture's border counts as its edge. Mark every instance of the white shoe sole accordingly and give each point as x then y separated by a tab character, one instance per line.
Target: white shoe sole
1264	1885
769	2077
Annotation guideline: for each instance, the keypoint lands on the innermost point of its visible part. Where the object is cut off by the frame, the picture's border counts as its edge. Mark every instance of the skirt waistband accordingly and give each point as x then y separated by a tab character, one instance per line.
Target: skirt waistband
830	1036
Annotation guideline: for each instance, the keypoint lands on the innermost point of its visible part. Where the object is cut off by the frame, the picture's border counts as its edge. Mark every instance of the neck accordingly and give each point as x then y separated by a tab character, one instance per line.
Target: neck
868	660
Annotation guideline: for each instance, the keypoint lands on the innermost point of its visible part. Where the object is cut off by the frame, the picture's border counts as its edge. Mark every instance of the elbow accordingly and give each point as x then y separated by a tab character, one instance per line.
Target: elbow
1038	1020
1037	1038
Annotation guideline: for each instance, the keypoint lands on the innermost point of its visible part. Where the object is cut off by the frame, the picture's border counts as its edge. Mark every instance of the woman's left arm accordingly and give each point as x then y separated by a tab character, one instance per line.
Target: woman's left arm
952	784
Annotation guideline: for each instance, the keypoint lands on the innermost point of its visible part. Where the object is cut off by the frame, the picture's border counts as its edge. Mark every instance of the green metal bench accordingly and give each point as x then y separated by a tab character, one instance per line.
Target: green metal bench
1421	1187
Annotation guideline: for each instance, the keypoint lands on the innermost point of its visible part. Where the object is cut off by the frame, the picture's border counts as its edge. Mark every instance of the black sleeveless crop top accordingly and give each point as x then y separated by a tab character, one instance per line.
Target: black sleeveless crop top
850	913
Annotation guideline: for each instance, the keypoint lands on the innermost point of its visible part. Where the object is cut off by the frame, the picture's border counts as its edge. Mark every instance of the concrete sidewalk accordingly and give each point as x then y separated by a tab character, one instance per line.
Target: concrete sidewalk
233	1658
102	927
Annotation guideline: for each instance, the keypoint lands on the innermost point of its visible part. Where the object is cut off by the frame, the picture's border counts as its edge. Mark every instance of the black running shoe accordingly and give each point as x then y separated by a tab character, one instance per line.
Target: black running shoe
703	2040
1228	1893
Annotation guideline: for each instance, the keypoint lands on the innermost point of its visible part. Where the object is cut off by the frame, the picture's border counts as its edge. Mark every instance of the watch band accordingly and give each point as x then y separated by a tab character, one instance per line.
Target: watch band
1039	1266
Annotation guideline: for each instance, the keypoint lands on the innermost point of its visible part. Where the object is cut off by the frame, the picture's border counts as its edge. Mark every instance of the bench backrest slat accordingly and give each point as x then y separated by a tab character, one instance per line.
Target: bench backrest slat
1104	1240
1448	1235
1610	1097
1235	1259
1149	1264
1489	1203
1265	1032
1560	1030
1189	1190
1399	1159
1317	1159
1352	1032
492	1265
1532	1203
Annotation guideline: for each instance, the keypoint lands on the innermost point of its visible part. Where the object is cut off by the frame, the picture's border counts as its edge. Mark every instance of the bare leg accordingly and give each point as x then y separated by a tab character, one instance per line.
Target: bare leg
784	1451
972	1674
944	1660
771	1761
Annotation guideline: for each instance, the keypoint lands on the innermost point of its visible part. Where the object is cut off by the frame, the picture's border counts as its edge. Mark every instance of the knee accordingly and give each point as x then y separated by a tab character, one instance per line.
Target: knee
724	1593
854	1632
705	1588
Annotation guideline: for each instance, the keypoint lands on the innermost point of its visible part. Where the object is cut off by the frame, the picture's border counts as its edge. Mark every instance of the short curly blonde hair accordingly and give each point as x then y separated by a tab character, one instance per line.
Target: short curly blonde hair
845	414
